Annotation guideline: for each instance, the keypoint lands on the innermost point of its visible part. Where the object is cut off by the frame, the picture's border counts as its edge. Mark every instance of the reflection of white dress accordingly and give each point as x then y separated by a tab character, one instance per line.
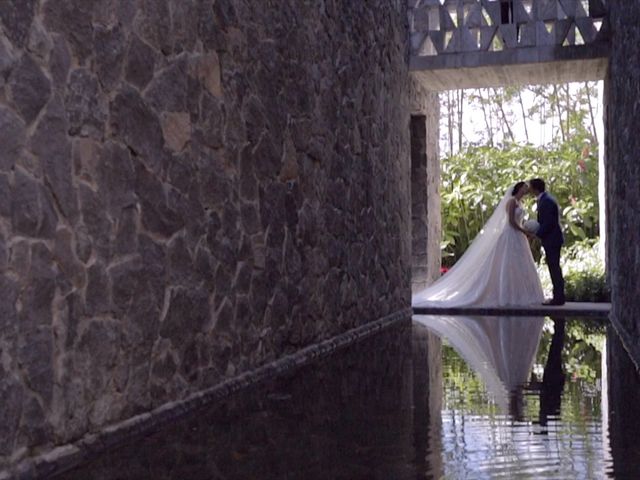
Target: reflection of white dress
500	350
497	270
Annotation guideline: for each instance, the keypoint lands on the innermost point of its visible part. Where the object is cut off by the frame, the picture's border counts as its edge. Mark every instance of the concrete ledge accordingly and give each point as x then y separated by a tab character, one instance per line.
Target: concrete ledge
523	66
570	309
65	457
510	56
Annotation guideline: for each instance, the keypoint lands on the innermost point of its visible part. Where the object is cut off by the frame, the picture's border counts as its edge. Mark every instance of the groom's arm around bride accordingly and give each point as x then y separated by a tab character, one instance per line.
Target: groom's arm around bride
548	219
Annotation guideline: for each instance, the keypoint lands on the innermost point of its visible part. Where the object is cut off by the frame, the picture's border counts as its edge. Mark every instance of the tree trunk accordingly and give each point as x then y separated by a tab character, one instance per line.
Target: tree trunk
460	111
450	120
593	119
483	104
568	108
505	122
556	103
524	116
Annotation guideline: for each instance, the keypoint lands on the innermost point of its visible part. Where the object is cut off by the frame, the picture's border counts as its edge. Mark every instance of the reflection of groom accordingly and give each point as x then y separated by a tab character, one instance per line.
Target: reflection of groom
550	234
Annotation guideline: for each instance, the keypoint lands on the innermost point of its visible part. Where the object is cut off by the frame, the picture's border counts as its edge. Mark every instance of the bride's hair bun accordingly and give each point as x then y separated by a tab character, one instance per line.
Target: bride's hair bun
516	188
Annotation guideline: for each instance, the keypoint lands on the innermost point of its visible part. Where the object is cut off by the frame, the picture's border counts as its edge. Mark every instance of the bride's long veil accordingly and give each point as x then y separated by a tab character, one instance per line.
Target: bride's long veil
457	286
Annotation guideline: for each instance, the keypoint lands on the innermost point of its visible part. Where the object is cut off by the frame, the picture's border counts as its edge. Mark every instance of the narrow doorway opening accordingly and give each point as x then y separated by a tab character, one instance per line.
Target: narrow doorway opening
419	217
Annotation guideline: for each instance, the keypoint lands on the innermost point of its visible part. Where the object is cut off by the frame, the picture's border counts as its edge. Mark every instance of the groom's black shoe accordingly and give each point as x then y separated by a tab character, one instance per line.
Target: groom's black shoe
553	302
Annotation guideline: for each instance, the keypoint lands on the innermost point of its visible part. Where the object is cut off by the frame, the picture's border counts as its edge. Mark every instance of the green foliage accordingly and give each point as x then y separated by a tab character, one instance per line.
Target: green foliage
584	273
581	361
583	345
462	387
583	349
475	180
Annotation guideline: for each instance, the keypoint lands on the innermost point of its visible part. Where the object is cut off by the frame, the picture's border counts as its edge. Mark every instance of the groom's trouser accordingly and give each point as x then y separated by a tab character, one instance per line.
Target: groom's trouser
553	262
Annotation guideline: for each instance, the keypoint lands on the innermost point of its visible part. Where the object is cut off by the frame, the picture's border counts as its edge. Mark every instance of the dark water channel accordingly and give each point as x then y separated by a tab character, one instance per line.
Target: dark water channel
501	398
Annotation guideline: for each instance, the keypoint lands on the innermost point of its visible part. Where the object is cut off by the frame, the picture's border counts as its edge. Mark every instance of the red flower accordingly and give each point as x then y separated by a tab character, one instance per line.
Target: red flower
443	270
582	165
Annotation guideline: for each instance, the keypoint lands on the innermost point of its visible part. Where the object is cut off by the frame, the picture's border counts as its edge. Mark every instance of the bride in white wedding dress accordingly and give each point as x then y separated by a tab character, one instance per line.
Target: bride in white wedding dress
496	270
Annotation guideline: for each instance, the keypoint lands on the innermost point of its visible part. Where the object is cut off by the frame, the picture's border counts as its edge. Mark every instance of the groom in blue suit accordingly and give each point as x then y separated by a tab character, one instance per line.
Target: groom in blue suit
550	234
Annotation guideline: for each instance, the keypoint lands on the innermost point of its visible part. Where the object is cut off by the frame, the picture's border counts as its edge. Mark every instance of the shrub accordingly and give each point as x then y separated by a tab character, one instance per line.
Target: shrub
584	273
475	180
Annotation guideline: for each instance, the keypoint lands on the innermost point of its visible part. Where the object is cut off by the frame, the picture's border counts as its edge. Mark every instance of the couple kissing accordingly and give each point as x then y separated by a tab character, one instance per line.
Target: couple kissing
498	270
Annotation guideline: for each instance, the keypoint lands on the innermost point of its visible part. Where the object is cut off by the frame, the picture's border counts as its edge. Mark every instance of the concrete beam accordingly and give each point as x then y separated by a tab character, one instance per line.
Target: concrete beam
500	75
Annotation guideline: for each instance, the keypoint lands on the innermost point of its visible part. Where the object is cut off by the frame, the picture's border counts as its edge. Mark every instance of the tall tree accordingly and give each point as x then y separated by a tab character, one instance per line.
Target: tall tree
524	115
487	116
498	98
460	106
591	115
555	98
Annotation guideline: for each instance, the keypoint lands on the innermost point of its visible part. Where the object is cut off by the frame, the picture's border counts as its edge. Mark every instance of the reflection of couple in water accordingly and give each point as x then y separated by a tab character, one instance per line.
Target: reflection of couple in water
501	350
551	386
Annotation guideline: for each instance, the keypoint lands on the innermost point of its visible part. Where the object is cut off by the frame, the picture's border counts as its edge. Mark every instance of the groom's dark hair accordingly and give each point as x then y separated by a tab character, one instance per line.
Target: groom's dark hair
537	184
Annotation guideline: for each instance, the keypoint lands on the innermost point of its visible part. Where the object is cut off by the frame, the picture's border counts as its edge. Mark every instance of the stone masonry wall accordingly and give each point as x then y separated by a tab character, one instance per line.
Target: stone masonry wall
425	186
622	111
189	189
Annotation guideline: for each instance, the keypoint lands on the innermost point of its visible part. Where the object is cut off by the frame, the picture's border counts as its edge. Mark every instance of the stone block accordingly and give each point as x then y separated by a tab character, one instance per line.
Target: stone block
153	23
12	138
176	128
59	60
17	17
98	226
156	214
29	88
34	429
97	297
209	30
9	291
35	356
133	122
184	25
188	313
167	91
109	47
207	69
50	144
116	178
39	42
126	241
73	19
140	62
12	394
85	105
210	128
86	153
66	259
26	210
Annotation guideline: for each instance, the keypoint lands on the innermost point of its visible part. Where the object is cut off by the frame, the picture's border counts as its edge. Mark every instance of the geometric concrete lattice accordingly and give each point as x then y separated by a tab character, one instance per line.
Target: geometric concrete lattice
568	39
442	27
